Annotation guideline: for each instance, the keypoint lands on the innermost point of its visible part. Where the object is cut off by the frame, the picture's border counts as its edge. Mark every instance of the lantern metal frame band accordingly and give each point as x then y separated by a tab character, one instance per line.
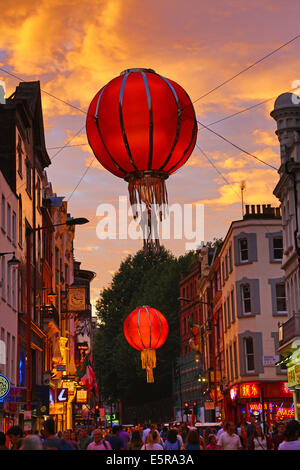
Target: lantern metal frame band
127	71
178	120
125	140
142	174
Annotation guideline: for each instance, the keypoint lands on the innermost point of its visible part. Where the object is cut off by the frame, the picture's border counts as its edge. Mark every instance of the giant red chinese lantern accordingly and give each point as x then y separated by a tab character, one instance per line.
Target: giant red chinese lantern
142	127
146	329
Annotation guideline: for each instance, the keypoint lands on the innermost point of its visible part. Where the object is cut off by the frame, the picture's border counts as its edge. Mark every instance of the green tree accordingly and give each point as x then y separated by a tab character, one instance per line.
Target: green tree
142	279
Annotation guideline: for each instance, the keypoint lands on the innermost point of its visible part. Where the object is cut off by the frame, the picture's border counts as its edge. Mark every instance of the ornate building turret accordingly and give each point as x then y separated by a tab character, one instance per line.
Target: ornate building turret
287	115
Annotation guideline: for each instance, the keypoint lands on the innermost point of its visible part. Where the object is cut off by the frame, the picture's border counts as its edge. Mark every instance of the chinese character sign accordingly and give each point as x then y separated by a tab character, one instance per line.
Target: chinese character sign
249	390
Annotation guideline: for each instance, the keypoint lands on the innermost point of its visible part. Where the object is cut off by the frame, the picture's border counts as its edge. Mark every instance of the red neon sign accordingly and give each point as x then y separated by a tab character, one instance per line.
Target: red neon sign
249	390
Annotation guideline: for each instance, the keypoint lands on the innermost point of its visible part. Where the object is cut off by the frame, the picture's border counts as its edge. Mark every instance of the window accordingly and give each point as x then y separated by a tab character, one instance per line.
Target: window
38	195
20	152
243	245
3	212
20	221
230	258
8	354
280	297
14	227
225	316
8	220
246	298
223	272
232	306
3	276
227	361
8	284
231	363
249	354
277	248
235	360
245	248
13	288
226	266
28	178
228	312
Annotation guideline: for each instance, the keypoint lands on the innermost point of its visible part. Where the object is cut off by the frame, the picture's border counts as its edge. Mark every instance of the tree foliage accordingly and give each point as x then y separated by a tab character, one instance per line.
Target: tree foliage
142	279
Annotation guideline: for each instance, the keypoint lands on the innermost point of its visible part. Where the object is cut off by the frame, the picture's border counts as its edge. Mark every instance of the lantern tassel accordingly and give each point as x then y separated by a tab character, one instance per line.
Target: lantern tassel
149	189
148	357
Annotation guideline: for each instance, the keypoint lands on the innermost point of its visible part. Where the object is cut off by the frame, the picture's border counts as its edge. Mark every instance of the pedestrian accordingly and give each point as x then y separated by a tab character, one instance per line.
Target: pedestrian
125	436
146	431
221	430
172	442
291	436
15	435
229	440
115	440
85	440
99	443
207	433
250	429
212	443
52	442
74	440
243	436
135	442
193	440
3	441
164	433
152	441
278	436
31	442
67	436
260	440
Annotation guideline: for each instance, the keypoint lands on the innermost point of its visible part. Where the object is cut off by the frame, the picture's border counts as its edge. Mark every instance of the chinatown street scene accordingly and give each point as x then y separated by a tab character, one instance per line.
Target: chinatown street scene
149	227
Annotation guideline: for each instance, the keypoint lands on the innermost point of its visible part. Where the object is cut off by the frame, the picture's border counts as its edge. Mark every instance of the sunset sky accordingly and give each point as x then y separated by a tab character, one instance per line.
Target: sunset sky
74	48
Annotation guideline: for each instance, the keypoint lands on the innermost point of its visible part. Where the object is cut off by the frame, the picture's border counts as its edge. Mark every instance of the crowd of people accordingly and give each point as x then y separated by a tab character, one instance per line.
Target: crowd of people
244	436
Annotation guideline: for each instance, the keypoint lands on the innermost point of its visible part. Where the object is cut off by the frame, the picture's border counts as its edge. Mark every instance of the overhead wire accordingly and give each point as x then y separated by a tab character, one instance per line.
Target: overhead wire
247	68
238	147
201	97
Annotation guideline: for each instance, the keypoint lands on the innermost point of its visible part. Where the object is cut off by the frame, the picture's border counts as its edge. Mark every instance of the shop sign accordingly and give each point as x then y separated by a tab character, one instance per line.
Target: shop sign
293	374
15	395
270	361
4	386
249	390
56	409
209	405
70	386
81	396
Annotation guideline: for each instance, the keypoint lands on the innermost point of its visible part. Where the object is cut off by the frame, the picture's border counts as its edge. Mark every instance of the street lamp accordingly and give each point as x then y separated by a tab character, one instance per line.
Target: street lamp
29	231
13	261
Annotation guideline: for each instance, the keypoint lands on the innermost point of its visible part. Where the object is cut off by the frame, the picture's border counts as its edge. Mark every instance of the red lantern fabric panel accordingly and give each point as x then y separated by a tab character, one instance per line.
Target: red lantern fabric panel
141	121
146	328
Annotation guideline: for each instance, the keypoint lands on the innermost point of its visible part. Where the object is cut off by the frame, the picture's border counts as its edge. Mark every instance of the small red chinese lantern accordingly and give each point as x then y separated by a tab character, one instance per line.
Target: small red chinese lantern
146	329
142	127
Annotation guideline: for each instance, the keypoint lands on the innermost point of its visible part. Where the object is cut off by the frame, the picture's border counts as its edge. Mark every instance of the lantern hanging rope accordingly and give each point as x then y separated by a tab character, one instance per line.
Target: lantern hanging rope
146	329
142	127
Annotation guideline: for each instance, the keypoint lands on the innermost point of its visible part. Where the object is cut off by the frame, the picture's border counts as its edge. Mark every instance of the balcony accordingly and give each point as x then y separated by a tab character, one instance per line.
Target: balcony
289	331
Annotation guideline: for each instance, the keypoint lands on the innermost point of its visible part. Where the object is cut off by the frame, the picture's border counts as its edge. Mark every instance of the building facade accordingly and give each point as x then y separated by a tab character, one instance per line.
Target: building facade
287	116
8	295
254	301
